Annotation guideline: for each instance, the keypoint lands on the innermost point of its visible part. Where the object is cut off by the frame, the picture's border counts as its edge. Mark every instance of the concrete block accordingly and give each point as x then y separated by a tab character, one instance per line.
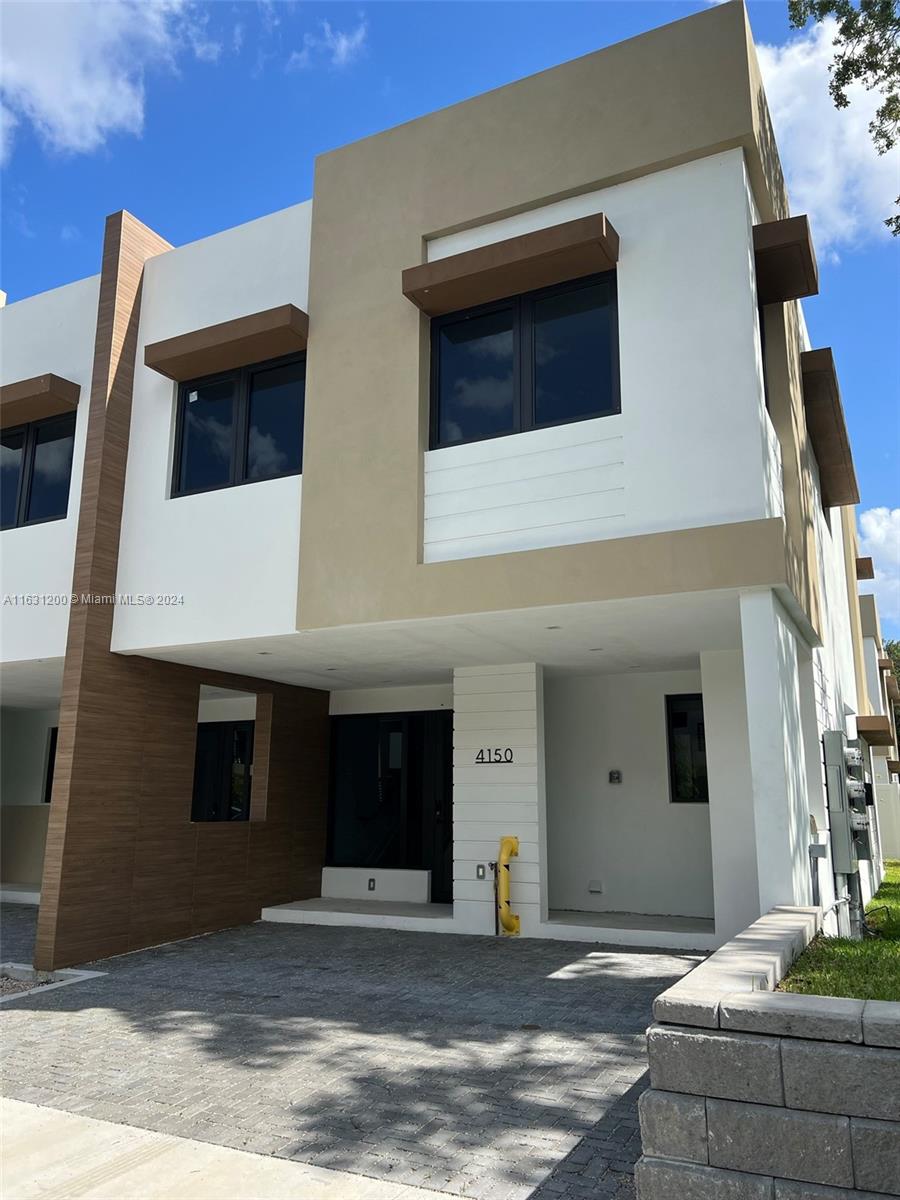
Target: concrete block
858	1081
824	1018
781	1142
876	1155
660	1179
673	1126
687	1006
790	1189
733	1066
881	1021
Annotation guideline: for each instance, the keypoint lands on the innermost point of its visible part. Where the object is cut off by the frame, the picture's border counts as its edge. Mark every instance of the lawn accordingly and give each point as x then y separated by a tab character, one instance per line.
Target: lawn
866	970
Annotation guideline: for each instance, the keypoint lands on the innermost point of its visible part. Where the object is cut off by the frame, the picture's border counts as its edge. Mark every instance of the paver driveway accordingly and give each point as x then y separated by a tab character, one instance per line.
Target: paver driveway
476	1066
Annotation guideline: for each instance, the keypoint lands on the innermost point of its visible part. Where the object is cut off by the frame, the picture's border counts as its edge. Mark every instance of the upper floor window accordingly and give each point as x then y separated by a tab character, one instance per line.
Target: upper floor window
544	358
240	427
35	469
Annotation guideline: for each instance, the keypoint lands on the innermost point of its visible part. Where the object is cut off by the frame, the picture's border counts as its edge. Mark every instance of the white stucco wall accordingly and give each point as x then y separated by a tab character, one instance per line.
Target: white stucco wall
692	445
650	856
24	752
232	553
49	333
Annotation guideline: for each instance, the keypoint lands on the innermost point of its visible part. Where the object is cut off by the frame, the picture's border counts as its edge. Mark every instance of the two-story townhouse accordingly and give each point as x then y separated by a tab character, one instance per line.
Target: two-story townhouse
494	493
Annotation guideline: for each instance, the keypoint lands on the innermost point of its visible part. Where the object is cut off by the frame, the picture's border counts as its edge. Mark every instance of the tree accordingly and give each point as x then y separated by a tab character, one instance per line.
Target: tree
867	51
892	650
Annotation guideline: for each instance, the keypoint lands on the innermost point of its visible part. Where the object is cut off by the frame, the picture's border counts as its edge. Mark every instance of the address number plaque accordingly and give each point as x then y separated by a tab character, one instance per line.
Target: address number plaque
495	754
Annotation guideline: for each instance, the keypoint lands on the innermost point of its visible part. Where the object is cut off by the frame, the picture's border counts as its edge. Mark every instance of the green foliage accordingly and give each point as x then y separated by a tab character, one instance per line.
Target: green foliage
866	970
892	650
867	51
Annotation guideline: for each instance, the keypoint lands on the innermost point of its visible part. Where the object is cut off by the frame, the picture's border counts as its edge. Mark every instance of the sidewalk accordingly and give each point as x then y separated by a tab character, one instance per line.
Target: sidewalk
46	1152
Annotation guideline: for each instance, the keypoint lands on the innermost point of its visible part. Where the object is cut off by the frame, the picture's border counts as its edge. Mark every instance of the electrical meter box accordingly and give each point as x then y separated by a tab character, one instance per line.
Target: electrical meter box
848	812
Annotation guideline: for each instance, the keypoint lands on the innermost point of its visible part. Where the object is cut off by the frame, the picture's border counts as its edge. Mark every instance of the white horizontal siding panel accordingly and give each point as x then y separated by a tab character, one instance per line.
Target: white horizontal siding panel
523	468
500	669
494	703
495	773
468	854
474	889
494	684
536	538
482	720
516	810
475	739
534	441
536	514
478	796
493	831
592	481
526	872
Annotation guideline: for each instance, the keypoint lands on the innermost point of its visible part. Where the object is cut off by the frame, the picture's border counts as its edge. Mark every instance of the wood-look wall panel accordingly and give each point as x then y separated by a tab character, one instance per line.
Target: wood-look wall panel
124	865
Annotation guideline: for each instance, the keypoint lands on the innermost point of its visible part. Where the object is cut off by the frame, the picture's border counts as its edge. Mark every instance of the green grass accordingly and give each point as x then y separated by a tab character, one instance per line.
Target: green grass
866	970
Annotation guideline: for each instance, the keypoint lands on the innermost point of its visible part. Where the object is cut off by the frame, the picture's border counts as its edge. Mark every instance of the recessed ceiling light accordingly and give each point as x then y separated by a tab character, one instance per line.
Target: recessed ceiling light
554	626
331	668
264	652
594	649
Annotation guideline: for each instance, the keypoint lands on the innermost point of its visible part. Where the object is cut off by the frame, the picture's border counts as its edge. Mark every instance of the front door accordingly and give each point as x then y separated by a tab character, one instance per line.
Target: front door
391	794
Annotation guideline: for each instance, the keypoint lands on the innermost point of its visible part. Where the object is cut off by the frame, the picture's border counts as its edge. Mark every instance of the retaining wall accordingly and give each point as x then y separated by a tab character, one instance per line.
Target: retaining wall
764	1095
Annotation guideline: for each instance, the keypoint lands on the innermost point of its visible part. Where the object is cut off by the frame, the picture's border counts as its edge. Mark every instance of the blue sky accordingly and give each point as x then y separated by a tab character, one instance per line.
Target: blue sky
197	116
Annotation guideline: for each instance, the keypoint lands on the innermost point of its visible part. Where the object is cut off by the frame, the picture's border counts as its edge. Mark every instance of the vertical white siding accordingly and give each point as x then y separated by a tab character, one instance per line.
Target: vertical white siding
498	707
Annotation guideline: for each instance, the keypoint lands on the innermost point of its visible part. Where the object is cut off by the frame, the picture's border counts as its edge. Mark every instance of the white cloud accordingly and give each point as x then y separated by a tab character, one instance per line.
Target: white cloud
75	69
833	171
879	536
340	47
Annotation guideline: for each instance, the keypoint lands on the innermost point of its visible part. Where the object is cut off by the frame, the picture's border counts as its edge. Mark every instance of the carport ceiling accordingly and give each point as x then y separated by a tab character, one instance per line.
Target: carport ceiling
648	634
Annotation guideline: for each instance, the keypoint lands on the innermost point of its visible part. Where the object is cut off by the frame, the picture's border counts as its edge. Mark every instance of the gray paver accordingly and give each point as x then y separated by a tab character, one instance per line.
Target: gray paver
390	1054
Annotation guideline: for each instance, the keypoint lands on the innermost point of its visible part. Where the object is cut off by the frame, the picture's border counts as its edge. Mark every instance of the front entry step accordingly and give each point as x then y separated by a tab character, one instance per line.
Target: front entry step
373	914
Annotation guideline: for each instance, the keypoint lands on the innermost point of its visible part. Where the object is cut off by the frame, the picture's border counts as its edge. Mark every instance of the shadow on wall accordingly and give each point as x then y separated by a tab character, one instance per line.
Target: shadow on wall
409	1056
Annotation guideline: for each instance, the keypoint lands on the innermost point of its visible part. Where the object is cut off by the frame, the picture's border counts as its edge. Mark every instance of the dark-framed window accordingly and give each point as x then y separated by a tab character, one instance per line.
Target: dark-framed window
35	471
687	749
51	763
223	771
241	426
543	358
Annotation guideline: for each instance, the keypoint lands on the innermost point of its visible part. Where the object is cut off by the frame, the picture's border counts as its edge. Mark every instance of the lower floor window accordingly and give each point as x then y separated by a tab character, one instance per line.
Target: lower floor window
687	749
223	769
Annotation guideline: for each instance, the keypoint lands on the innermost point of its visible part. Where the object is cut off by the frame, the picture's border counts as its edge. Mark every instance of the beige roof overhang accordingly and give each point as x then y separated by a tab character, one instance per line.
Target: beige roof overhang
828	429
865	568
238	343
32	399
876	730
785	260
585	246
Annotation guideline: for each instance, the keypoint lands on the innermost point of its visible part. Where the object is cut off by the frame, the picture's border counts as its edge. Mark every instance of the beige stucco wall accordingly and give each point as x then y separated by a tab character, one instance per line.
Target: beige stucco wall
639	106
23	833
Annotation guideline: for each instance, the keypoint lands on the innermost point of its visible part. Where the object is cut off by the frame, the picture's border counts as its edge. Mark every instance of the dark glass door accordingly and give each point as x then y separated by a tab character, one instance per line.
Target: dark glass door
391	794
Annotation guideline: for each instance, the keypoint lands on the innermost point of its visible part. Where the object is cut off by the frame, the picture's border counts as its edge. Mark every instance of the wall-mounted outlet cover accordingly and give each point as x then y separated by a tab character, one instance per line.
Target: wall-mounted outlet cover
595	886
371	885
480	871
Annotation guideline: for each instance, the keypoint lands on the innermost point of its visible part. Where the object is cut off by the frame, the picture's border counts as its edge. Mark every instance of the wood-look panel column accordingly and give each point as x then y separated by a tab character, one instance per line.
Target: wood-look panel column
93	811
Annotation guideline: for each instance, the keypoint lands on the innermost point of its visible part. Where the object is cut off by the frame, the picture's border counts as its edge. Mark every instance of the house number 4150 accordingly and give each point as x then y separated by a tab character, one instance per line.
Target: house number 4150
495	755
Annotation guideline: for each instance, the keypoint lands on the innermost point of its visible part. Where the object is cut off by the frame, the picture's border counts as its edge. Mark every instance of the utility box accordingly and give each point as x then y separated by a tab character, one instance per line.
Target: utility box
846	786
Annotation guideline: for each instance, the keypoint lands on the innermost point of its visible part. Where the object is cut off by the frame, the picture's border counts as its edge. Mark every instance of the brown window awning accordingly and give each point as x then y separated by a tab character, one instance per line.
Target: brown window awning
876	730
865	568
785	260
238	343
828	429
572	250
32	399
